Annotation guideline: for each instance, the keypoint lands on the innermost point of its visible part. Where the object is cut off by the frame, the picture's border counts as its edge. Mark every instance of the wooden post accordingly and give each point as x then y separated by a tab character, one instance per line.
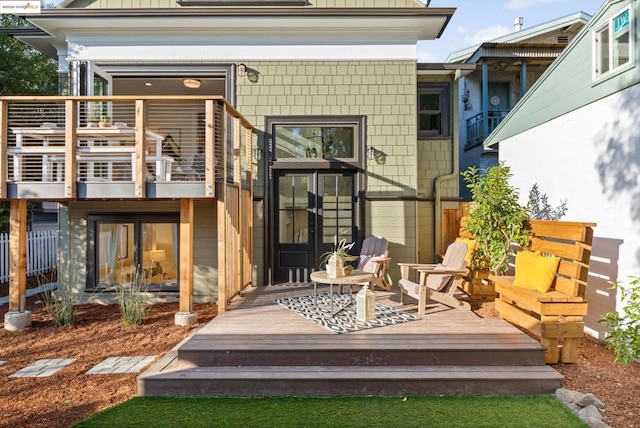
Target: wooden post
70	123
18	255
209	148
222	218
186	255
141	163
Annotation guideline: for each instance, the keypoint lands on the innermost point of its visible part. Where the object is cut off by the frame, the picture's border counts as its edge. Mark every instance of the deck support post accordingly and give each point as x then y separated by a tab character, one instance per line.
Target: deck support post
18	317
186	316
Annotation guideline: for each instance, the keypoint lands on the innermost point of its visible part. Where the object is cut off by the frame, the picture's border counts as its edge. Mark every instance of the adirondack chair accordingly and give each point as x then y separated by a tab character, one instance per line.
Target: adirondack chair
436	281
374	258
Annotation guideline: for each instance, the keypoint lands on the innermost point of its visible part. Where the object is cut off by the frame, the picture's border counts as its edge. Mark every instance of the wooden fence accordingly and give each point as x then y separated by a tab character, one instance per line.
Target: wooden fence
42	253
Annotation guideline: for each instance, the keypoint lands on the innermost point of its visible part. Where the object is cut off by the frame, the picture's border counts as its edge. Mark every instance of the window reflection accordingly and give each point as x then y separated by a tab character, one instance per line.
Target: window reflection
311	142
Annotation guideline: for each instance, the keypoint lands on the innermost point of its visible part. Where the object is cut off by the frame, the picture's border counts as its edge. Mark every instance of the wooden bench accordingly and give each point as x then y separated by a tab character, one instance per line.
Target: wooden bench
557	316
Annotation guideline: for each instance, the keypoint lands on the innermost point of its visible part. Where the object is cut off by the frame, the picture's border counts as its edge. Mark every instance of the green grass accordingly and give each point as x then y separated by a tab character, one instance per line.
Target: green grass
537	411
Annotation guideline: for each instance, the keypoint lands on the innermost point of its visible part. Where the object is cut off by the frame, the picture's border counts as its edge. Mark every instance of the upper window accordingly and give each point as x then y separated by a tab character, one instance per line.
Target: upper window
613	44
316	138
433	110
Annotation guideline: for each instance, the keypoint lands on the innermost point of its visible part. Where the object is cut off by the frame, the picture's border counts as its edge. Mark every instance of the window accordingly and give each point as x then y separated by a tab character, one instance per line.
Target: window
612	44
313	139
121	245
433	110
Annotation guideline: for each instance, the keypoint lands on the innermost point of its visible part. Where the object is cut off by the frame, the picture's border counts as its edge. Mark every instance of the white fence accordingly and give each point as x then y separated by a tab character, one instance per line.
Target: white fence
42	253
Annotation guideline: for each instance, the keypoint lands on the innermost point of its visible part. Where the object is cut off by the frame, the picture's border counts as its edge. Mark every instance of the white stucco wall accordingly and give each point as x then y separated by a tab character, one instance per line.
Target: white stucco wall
591	158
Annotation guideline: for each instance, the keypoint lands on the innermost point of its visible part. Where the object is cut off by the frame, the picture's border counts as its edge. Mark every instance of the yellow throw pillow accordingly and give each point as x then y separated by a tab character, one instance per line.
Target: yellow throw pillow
471	246
535	271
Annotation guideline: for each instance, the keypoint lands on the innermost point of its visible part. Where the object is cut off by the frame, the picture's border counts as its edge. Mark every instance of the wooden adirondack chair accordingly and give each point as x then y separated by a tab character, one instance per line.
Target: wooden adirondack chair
436	281
374	258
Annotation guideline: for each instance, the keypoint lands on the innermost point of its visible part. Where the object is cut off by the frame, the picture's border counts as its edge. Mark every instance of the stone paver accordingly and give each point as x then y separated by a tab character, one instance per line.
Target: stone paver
41	368
121	365
2	363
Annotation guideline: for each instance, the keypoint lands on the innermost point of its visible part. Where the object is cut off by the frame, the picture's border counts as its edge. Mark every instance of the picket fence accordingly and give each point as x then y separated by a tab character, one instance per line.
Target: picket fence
42	253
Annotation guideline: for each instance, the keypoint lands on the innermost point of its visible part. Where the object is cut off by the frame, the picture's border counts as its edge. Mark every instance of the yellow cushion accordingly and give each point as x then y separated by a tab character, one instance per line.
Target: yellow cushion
535	271
471	246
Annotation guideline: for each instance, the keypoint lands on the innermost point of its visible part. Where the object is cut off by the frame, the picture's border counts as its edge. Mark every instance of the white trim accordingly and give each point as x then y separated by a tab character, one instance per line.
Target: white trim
243	53
595	46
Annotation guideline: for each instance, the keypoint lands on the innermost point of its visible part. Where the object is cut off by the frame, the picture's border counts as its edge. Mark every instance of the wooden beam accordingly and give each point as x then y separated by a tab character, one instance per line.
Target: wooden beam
141	163
186	255
4	136
17	255
70	170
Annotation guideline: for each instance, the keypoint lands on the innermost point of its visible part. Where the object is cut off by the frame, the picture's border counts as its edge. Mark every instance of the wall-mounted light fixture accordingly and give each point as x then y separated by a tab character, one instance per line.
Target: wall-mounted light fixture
191	83
257	153
252	75
371	153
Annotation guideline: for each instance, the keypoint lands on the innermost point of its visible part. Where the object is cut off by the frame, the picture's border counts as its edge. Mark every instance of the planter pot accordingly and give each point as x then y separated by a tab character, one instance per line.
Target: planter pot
92	124
104	124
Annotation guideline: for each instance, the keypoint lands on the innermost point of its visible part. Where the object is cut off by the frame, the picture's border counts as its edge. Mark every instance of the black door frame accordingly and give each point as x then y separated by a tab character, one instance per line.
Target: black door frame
357	165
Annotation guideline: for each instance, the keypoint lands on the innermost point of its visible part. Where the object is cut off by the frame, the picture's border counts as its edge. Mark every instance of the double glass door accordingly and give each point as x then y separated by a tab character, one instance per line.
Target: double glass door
312	210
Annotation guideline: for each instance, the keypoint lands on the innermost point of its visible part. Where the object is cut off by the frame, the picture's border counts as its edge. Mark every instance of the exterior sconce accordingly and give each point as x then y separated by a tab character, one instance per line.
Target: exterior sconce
371	153
252	75
257	153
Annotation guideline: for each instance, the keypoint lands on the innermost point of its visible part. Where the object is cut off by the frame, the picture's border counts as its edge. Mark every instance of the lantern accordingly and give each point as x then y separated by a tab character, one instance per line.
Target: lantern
365	305
335	266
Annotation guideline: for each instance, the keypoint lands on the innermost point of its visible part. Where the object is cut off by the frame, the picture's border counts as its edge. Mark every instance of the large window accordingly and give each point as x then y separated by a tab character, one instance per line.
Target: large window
316	138
612	44
433	110
125	246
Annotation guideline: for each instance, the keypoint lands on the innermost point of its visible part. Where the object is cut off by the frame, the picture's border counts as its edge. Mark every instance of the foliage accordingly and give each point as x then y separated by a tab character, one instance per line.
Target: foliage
541	209
624	328
340	249
60	303
412	411
132	299
496	220
24	70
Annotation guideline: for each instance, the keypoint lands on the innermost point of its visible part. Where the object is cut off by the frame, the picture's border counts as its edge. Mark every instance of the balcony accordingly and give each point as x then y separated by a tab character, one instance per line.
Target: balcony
145	147
476	132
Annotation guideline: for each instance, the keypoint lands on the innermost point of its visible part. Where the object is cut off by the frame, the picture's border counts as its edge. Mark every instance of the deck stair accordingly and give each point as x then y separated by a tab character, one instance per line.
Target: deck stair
261	349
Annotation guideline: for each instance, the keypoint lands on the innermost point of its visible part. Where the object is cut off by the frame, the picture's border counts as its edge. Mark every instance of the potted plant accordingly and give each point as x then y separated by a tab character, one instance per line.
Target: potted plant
94	117
496	219
347	270
105	120
334	260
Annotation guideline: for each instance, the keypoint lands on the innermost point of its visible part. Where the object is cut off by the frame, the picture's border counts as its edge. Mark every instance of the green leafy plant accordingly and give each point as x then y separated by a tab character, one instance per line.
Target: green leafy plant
496	219
340	249
105	118
96	113
541	208
60	303
132	300
624	326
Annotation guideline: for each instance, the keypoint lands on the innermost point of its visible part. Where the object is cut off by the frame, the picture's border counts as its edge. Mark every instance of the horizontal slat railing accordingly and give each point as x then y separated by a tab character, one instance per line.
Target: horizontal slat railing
60	140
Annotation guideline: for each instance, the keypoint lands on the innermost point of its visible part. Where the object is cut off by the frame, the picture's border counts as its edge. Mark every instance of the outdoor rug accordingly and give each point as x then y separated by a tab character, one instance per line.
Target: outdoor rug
345	320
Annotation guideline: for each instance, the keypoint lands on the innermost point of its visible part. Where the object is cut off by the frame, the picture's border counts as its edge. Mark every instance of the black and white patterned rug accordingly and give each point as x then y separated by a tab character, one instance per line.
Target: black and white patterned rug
345	320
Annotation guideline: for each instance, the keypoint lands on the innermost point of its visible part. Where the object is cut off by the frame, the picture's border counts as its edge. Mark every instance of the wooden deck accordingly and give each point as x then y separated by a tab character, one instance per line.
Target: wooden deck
259	348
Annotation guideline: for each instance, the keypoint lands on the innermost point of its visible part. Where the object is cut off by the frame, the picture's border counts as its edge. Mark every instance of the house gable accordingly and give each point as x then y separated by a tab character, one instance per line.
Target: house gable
568	84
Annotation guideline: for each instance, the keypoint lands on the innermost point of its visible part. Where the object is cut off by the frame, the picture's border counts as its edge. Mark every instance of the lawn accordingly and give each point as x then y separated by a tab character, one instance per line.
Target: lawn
531	411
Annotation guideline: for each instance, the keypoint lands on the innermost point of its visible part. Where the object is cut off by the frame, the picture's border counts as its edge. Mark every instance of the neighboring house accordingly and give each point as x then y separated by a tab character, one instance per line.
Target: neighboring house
576	133
506	67
353	138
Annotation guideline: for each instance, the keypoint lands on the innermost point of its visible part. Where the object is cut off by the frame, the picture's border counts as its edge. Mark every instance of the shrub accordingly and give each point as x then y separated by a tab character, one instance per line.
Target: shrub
132	299
624	327
496	218
60	303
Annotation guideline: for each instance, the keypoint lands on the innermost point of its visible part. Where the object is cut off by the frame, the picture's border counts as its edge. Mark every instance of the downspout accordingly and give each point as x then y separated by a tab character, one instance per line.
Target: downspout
449	176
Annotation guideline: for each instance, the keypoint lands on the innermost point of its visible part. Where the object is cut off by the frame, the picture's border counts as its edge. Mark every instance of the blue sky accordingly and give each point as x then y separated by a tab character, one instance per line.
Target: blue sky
476	21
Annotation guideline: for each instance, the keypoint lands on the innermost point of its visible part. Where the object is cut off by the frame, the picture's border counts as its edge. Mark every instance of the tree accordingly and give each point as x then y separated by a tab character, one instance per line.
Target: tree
24	71
496	218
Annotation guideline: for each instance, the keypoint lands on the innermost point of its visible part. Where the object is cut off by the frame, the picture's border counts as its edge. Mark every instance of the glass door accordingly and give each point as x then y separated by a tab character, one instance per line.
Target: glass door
312	210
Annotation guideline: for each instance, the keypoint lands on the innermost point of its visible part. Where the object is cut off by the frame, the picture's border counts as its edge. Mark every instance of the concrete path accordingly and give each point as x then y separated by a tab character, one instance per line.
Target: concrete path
47	367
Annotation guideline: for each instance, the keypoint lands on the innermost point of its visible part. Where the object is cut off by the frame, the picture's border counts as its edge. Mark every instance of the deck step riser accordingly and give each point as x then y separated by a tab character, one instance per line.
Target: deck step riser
333	388
419	357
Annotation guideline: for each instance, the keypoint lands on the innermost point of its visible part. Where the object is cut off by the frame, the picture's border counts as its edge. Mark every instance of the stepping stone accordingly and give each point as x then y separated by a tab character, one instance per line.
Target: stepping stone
2	363
43	368
121	365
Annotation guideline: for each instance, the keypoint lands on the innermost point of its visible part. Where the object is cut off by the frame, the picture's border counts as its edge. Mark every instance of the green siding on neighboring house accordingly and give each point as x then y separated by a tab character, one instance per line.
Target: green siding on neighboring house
127	4
568	83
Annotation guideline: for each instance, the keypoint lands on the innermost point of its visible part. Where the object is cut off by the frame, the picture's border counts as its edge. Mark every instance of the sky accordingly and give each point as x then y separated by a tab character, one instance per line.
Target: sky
477	21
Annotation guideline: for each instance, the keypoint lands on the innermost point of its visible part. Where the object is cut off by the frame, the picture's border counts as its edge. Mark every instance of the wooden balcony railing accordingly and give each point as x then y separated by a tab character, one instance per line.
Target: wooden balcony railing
476	133
147	147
